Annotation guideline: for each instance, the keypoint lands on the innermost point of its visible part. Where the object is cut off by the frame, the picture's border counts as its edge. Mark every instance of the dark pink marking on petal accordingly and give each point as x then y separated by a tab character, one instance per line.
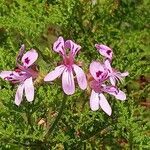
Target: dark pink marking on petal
104	76
72	46
8	78
60	53
27	60
11	74
58	45
75	50
108	52
98	73
21	74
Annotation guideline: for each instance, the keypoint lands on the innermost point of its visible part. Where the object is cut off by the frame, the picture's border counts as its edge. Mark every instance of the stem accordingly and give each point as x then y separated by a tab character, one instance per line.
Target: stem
57	118
29	117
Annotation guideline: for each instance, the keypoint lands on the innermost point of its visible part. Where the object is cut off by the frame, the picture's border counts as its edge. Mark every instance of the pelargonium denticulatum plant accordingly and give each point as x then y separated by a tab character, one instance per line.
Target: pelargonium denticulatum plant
23	74
104	77
104	81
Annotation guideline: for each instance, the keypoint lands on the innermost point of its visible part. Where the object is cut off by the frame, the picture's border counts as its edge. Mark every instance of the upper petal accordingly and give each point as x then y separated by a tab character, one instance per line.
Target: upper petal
94	101
104	104
97	71
29	57
68	82
81	78
58	46
104	50
55	73
19	94
29	89
72	46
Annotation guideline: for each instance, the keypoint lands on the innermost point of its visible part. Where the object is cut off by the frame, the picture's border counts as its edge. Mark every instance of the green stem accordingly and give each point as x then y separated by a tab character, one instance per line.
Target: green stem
29	117
57	118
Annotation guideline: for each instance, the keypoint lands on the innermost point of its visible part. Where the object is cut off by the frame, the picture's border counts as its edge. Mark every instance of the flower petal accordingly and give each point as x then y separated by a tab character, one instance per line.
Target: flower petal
72	46
94	101
19	94
68	82
29	57
124	74
104	50
55	73
81	78
5	74
97	71
108	66
112	80
113	90
29	89
10	75
121	95
105	105
58	46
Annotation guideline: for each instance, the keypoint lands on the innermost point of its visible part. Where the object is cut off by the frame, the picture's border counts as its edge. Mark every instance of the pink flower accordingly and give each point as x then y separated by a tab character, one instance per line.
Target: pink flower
68	66
23	74
105	51
97	98
113	74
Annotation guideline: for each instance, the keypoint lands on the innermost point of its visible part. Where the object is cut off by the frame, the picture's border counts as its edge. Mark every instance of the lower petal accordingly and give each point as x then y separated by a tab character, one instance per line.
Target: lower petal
5	74
29	89
19	94
113	90
81	78
121	95
105	105
55	73
112	81
124	74
68	82
94	101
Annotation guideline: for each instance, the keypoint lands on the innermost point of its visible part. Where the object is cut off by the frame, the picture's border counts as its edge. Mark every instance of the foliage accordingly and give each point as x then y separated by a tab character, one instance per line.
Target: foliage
121	24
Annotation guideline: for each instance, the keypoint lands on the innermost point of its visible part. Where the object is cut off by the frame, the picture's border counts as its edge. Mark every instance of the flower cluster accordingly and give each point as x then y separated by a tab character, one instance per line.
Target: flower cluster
102	73
104	77
23	74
